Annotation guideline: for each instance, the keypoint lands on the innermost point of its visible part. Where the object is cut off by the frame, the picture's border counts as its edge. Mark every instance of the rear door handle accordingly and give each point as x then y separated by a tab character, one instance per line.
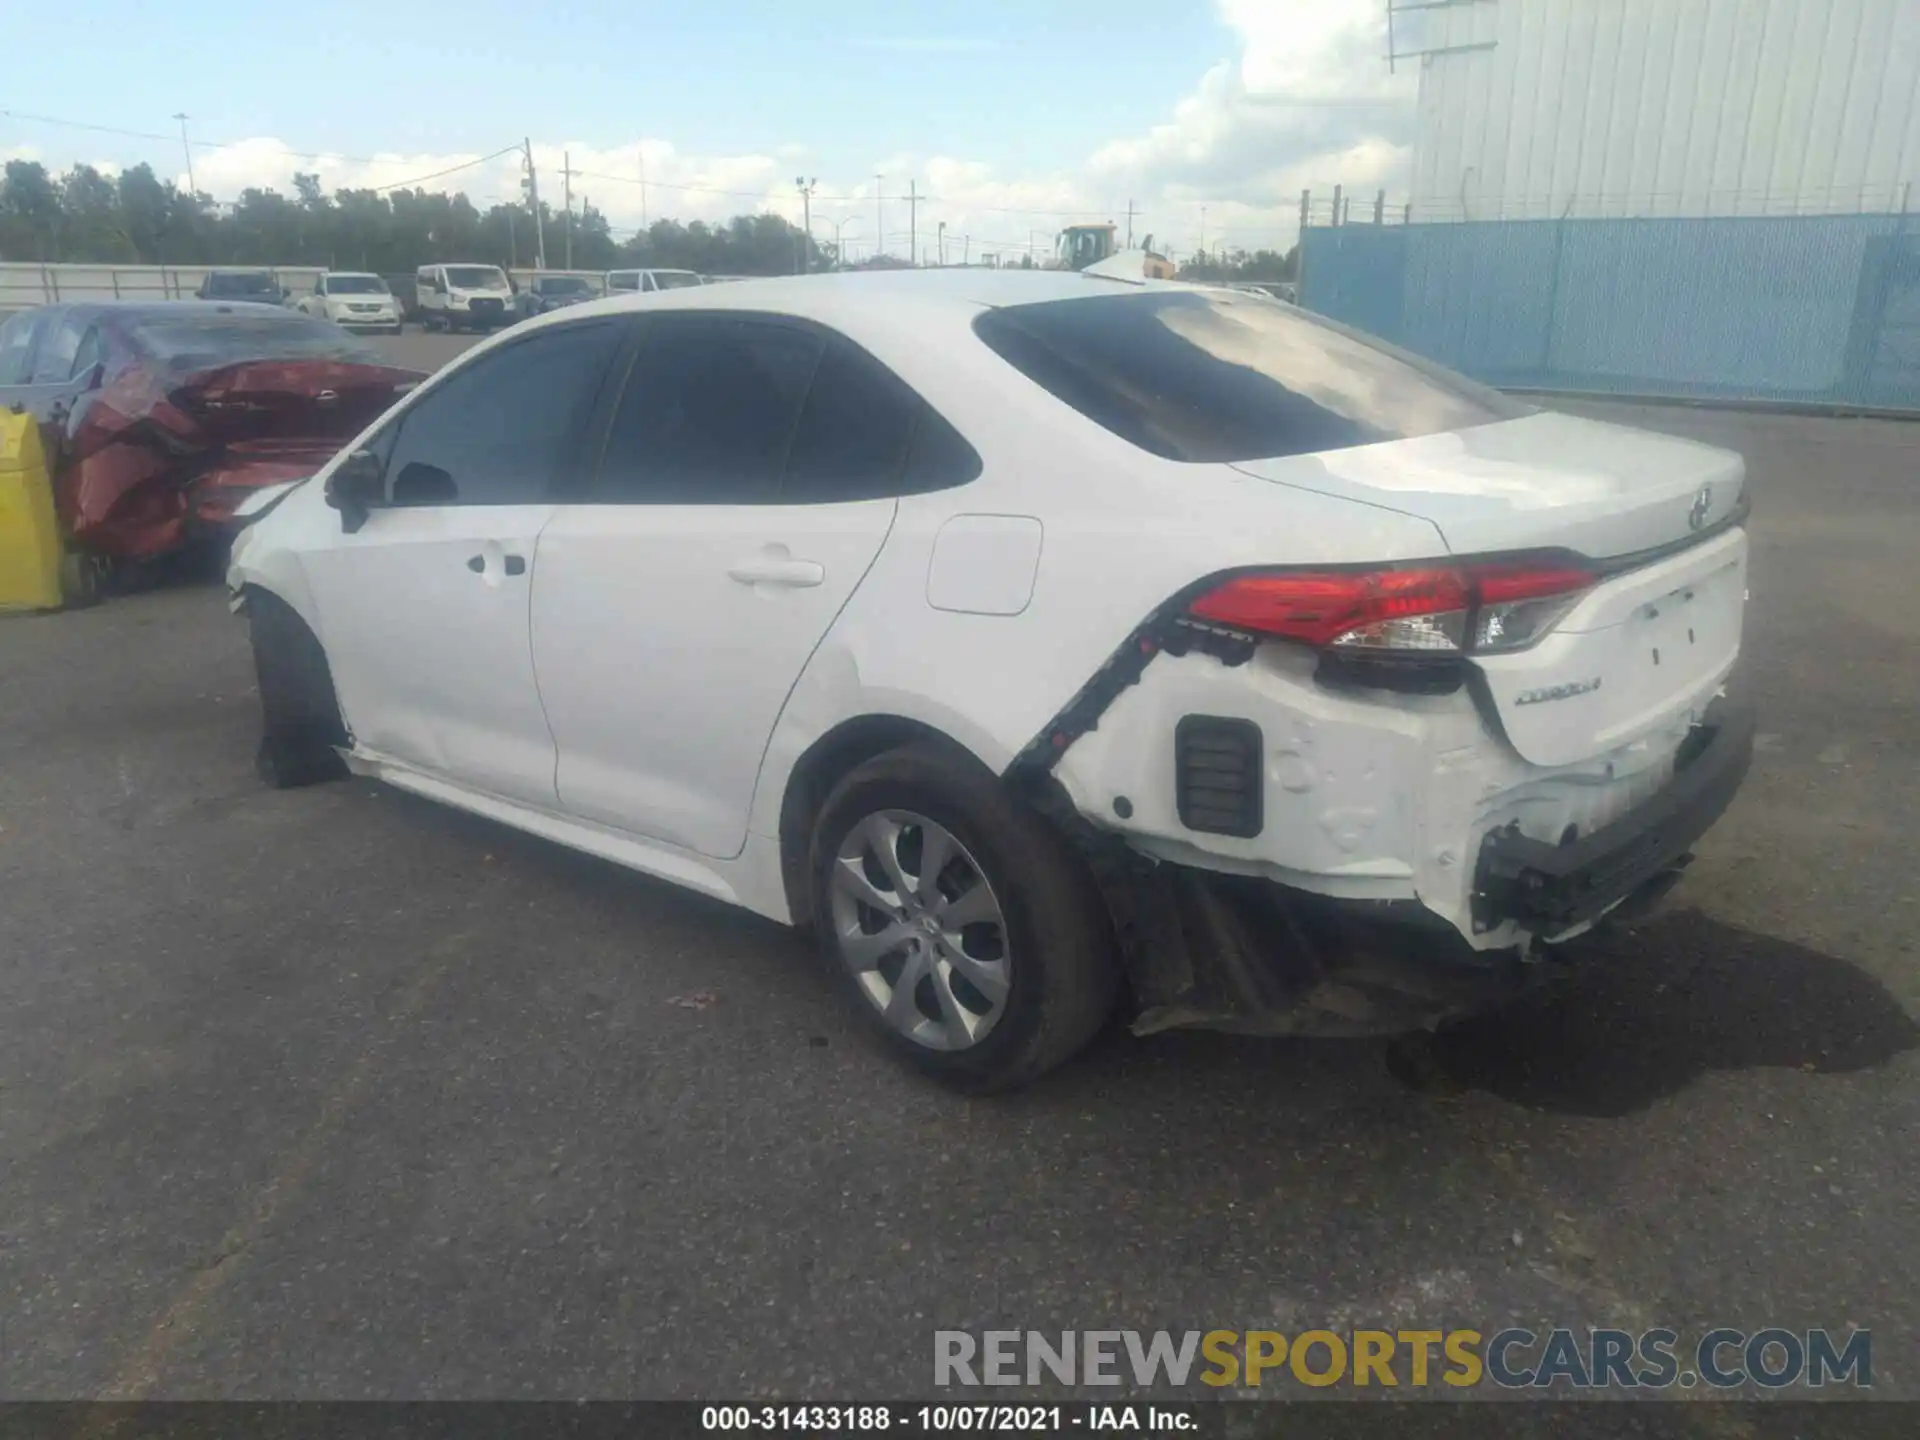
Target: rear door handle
779	570
514	564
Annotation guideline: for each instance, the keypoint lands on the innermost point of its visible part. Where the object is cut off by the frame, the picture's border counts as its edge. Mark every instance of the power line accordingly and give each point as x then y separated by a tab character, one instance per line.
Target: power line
451	169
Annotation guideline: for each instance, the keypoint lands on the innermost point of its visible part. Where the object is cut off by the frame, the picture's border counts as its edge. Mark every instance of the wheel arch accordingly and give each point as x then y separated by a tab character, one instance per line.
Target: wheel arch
848	744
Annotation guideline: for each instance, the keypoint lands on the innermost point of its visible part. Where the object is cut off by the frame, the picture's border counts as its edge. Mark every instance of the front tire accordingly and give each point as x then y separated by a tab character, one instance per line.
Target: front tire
301	728
962	926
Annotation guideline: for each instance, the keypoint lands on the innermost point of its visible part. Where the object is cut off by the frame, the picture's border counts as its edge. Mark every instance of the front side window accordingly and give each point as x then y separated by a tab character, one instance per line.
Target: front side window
500	431
1205	377
708	413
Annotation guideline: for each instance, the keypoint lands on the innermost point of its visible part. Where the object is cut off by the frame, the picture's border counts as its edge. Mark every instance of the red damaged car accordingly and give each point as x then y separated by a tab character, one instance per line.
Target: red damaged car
162	417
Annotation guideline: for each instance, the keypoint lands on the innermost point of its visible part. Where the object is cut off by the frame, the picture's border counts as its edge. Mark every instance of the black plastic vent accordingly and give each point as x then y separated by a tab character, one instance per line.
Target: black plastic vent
1216	775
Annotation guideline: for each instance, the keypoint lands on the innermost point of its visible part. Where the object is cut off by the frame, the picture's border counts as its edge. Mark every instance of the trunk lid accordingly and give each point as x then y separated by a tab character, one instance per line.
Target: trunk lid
1642	654
1542	481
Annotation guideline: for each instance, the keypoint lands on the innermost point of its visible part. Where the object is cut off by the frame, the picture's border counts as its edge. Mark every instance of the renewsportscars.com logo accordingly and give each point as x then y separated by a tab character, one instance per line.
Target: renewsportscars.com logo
1593	1359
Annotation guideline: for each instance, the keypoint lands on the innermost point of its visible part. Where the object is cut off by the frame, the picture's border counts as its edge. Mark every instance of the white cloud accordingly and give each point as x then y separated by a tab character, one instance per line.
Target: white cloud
1307	104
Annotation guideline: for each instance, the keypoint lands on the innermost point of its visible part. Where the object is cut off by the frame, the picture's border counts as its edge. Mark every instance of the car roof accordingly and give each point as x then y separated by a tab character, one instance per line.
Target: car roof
847	294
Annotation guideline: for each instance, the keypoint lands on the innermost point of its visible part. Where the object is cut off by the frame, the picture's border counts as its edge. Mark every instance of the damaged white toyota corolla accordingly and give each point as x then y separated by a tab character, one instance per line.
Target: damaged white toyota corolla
1038	639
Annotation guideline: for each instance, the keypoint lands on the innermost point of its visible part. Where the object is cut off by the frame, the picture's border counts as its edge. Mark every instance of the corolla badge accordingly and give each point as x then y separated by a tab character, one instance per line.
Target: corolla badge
1557	692
1702	507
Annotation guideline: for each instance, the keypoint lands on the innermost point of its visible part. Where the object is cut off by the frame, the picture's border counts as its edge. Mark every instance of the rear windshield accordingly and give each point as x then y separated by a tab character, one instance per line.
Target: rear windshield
356	285
475	277
675	279
563	285
206	341
1209	377
242	285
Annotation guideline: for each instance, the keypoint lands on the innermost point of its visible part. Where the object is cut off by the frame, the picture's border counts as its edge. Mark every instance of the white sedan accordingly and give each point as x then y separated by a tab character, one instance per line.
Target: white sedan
1042	641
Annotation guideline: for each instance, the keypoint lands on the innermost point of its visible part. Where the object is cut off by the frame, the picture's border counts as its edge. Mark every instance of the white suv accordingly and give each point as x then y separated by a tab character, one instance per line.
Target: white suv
1038	639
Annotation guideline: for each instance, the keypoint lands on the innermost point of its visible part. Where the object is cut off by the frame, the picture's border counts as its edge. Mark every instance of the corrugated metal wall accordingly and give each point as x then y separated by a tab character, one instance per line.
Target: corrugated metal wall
1668	107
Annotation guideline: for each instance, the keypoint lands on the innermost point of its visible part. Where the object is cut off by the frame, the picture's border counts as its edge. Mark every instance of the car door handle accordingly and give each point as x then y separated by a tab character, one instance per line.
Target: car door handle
513	564
779	570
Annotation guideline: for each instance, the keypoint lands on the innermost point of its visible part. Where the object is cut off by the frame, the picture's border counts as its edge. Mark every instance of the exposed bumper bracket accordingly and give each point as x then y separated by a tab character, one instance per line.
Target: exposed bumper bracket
1549	889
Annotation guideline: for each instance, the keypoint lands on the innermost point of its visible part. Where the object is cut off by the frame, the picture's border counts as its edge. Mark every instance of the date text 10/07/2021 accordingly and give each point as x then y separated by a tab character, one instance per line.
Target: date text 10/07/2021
911	1419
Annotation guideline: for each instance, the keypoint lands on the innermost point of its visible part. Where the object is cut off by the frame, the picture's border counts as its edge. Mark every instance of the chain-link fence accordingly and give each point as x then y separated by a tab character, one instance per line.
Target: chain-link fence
1821	310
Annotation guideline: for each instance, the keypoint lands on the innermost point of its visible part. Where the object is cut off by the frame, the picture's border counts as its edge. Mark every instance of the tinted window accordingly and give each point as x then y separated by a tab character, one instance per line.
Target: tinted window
628	281
498	431
201	341
708	413
940	458
1209	377
238	287
852	440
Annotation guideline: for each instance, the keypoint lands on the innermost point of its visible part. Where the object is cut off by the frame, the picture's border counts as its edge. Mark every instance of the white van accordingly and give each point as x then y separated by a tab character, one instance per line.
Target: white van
463	297
629	282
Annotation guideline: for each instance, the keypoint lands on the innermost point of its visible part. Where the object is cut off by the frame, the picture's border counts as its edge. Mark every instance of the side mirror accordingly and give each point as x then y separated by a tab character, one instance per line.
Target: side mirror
354	489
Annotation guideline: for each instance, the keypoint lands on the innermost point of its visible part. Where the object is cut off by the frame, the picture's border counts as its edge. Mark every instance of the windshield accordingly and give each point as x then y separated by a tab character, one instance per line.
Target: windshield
356	285
675	279
1202	378
564	285
475	277
236	285
205	341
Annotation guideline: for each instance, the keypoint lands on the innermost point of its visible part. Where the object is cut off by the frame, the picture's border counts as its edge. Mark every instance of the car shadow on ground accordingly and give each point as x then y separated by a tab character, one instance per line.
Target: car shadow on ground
1648	1010
1658	1005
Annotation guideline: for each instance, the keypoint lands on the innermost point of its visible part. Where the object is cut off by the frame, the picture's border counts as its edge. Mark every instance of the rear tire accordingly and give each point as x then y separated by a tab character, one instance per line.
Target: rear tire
1012	959
301	725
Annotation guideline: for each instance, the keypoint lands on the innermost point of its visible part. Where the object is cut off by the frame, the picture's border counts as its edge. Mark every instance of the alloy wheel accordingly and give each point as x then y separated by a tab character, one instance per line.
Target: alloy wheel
921	930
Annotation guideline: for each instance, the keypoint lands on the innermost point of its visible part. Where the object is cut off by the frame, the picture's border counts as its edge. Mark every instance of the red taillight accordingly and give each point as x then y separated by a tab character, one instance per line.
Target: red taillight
1506	604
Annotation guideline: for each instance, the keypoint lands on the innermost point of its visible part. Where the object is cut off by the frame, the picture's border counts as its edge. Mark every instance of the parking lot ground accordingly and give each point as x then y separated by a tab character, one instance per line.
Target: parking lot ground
337	1093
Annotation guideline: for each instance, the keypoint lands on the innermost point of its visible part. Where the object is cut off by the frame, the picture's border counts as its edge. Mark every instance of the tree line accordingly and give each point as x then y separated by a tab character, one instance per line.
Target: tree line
137	218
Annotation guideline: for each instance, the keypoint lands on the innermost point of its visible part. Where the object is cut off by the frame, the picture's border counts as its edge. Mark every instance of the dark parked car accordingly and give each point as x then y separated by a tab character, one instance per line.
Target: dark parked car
162	418
253	287
544	293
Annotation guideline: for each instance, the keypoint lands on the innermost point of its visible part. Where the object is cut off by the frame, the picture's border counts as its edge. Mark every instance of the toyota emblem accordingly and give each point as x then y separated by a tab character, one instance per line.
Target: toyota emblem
1702	507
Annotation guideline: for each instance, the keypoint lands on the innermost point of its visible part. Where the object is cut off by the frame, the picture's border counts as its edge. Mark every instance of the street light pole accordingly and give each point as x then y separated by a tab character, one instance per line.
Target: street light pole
879	218
187	150
805	186
942	233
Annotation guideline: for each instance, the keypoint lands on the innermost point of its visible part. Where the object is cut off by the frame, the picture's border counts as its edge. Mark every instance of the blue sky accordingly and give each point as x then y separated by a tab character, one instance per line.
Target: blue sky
1006	112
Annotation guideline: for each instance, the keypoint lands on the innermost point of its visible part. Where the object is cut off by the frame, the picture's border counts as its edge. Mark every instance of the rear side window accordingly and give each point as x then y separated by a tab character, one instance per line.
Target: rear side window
16	347
499	430
1206	377
854	433
708	414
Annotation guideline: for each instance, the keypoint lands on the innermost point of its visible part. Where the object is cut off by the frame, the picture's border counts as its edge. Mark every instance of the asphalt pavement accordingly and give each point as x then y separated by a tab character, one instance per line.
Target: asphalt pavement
338	1093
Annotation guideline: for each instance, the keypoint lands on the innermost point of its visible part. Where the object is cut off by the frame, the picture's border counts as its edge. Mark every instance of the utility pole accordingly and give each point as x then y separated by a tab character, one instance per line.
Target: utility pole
533	200
1203	229
566	191
1130	213
966	252
943	244
1336	204
913	238
1380	208
879	219
643	189
187	150
805	186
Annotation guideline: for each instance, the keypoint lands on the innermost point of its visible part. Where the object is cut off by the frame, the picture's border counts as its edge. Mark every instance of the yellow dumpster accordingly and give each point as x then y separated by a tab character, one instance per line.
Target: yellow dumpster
29	537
